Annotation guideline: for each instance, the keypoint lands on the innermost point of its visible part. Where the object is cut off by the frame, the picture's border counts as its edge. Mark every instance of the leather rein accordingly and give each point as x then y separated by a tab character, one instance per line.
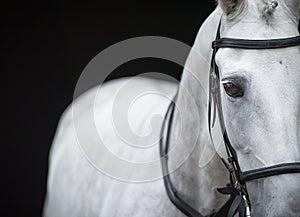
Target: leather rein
239	201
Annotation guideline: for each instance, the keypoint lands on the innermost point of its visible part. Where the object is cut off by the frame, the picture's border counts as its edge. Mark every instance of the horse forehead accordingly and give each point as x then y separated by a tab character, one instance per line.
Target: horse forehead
278	62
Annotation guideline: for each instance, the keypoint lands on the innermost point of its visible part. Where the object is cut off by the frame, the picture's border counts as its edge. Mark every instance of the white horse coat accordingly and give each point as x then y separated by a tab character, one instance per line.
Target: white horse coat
77	188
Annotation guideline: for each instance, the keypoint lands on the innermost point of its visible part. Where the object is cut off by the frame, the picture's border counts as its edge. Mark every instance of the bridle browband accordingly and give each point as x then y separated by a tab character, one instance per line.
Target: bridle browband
256	44
239	201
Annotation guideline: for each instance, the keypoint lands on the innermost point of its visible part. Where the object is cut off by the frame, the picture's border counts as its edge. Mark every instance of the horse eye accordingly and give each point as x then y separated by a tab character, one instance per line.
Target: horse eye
232	89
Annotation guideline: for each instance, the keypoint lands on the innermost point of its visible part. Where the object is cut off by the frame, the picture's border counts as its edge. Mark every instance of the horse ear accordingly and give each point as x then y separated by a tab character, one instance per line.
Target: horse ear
231	7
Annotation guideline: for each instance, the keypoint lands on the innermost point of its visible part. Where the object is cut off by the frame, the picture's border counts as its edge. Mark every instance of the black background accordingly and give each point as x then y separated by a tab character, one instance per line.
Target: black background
45	47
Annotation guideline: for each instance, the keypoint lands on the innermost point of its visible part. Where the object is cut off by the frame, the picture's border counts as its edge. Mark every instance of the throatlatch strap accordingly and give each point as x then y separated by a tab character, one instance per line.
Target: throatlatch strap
170	189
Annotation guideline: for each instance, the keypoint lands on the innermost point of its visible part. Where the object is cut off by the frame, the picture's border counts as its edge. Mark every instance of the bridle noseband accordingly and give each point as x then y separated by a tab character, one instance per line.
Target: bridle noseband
239	201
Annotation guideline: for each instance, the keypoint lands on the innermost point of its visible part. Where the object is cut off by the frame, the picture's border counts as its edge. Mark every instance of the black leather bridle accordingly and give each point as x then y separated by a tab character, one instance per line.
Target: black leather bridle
239	201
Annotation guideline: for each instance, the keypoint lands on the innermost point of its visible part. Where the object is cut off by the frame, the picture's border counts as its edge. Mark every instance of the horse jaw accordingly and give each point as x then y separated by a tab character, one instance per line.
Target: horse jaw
202	172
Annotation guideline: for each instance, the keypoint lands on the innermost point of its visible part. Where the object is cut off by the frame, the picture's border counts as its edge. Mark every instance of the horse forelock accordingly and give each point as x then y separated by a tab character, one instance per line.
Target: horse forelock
264	10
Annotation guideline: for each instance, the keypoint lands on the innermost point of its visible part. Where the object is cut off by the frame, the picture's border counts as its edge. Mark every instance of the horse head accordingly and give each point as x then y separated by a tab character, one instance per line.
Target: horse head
260	99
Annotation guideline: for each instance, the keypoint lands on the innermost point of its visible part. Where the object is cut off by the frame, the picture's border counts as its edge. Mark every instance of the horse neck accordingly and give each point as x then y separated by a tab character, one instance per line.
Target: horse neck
200	169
